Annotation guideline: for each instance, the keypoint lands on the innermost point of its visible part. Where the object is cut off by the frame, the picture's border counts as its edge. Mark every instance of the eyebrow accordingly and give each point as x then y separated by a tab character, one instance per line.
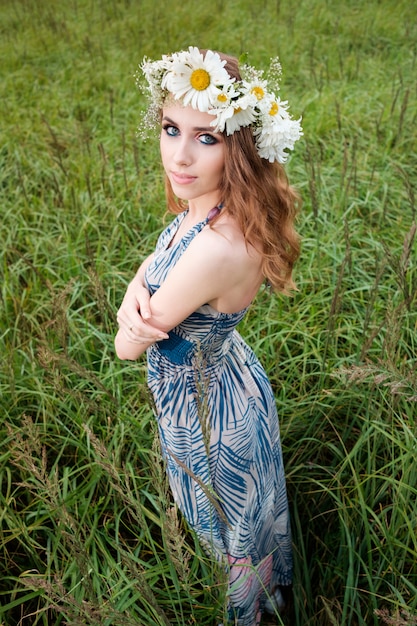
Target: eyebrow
206	129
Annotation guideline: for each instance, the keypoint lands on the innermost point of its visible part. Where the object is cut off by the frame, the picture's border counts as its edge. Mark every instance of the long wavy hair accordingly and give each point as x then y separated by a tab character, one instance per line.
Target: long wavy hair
259	197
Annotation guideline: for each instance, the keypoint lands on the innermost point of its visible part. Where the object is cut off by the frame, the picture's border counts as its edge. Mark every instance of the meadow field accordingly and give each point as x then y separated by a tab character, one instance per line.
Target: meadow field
88	532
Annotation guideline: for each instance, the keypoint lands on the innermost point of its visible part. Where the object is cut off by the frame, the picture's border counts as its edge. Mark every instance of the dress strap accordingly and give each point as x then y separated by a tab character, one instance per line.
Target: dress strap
214	212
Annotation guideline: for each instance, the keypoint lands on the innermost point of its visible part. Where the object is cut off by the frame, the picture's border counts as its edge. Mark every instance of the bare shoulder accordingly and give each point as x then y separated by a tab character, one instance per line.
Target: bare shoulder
224	242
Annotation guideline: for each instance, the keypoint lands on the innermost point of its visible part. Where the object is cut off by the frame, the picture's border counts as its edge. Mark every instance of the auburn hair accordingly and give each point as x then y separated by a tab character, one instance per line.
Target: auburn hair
259	197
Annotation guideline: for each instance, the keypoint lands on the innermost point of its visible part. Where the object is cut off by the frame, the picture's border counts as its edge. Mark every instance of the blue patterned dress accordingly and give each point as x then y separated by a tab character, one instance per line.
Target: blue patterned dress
220	437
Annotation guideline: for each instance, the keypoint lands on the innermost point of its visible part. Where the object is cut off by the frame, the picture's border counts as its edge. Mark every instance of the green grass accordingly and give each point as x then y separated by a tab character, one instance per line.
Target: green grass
88	533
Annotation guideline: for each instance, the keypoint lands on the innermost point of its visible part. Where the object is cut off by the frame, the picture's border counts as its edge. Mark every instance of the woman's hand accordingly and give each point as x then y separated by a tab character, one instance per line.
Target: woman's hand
135	332
133	314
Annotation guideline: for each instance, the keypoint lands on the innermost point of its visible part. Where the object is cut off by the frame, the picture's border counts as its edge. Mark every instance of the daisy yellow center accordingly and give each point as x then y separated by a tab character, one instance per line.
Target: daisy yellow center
274	109
222	97
200	80
258	92
236	110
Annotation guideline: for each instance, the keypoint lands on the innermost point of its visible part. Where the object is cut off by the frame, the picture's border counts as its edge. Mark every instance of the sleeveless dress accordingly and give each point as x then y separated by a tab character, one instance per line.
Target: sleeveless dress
219	434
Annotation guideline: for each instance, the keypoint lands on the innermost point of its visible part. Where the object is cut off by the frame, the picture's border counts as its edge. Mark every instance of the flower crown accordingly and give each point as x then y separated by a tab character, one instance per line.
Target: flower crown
203	83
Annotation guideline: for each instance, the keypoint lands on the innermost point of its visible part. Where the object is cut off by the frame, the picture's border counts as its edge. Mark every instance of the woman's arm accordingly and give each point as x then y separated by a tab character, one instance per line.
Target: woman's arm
135	332
218	268
215	265
199	276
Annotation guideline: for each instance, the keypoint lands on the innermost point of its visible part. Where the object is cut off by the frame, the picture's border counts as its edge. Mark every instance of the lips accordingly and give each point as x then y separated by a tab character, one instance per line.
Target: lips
182	179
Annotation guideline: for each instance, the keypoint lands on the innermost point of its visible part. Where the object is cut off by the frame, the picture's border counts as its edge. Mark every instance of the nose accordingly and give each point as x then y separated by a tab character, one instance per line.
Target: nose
183	152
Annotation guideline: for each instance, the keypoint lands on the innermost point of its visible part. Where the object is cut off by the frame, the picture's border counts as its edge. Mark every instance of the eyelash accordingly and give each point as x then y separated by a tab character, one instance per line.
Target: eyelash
212	140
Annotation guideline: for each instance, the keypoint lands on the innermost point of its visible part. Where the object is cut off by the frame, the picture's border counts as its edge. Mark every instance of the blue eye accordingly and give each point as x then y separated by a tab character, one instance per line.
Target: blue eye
170	130
209	140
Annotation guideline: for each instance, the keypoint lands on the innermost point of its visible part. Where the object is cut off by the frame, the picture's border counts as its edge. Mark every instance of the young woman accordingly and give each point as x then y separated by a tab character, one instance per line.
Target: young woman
222	138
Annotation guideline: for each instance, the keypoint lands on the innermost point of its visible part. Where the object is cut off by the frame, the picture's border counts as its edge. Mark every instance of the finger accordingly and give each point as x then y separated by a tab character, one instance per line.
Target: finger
145	310
144	304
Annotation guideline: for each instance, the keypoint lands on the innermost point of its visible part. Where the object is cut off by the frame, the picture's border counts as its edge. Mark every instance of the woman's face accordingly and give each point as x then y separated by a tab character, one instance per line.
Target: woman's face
192	154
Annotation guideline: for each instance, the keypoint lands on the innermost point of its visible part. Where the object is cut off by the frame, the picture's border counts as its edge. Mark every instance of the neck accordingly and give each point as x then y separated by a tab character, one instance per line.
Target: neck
200	208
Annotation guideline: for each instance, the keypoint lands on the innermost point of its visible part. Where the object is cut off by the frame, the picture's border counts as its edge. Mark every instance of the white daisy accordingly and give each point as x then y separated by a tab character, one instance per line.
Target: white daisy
222	107
196	79
258	89
235	113
243	114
